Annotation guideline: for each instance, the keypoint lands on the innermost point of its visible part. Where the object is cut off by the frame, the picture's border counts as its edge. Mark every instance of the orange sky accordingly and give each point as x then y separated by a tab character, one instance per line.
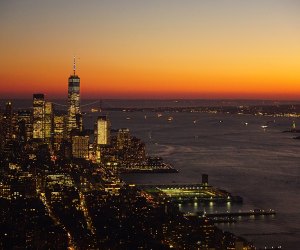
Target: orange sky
134	49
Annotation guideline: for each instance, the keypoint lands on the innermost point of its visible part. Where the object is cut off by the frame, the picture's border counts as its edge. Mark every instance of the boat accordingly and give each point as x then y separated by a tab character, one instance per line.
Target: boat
170	118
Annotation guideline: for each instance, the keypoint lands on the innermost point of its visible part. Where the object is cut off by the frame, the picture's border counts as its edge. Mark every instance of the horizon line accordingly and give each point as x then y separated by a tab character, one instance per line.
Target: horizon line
164	99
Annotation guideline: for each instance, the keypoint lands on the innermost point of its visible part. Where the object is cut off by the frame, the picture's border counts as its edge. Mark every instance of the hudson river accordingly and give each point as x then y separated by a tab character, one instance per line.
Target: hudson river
260	164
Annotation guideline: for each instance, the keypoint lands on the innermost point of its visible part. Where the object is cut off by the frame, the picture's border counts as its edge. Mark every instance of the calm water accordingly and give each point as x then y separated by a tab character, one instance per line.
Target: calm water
261	165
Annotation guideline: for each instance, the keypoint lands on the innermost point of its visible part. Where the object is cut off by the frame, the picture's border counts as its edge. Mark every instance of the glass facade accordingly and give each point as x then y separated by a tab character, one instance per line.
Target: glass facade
38	116
73	104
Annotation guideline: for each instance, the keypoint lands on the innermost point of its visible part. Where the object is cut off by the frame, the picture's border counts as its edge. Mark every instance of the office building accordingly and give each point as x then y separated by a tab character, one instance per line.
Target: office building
48	123
58	131
102	135
74	121
9	122
2	134
24	125
123	138
80	146
38	116
103	131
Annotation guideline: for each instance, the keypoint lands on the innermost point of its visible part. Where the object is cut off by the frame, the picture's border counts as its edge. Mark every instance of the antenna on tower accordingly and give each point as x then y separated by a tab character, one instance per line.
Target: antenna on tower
74	65
100	105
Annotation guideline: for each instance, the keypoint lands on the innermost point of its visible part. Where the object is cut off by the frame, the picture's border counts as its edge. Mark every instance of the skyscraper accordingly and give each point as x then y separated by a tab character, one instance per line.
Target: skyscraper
102	131
59	131
123	138
80	146
9	121
48	122
102	135
24	125
74	121
38	116
2	134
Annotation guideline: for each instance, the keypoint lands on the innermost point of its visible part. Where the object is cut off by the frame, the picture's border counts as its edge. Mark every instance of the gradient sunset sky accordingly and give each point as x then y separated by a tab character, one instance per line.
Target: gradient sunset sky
151	49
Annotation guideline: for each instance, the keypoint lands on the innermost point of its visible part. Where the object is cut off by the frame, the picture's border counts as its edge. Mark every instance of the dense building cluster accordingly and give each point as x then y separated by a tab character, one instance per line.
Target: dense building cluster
86	206
55	130
62	132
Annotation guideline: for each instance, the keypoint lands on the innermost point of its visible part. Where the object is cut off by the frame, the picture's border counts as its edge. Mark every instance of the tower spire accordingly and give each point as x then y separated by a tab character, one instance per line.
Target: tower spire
74	65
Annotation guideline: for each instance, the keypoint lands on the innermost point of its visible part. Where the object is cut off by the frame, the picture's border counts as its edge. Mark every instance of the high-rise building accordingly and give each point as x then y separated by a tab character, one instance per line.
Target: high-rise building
9	120
80	146
59	131
38	116
102	135
24	125
2	134
74	121
48	123
102	131
123	138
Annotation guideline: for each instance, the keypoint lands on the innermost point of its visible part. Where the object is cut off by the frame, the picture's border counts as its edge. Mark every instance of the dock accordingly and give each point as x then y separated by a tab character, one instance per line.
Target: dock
255	212
189	193
230	217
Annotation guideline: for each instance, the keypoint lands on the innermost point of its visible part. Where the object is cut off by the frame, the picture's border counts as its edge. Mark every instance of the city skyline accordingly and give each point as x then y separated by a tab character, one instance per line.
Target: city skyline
156	124
134	49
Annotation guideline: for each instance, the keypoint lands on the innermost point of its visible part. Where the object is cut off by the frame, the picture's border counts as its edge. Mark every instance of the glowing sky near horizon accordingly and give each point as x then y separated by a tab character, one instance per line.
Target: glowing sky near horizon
151	49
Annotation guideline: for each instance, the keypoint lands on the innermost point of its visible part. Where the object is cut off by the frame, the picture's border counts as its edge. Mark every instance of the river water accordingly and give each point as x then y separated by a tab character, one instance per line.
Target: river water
259	164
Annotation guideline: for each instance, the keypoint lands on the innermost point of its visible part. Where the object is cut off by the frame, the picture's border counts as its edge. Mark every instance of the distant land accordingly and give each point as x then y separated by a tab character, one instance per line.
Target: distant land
152	103
240	107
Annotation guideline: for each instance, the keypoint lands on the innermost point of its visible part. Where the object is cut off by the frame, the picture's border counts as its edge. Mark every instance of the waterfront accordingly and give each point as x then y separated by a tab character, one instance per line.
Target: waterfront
239	155
261	165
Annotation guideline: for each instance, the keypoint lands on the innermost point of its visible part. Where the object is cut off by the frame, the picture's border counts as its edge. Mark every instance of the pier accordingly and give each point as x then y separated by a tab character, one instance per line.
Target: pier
189	193
231	217
255	212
